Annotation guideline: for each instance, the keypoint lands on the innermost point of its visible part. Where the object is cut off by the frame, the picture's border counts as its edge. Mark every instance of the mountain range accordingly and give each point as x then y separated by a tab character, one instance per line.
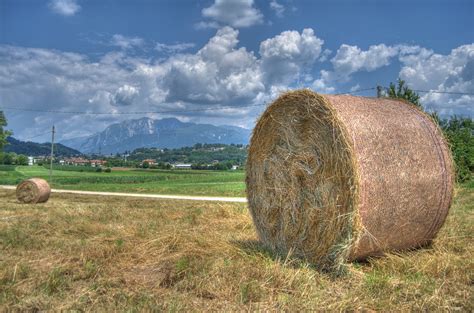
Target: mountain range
159	133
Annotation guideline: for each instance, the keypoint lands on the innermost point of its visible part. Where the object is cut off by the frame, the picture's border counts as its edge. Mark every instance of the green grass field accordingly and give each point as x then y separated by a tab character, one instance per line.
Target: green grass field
91	253
179	182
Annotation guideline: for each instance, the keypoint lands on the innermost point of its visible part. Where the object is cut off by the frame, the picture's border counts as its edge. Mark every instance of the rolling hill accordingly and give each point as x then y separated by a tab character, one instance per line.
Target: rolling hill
38	149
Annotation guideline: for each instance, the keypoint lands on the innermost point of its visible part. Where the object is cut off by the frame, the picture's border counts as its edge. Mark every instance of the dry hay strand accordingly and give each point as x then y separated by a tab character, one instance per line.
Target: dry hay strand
34	190
336	178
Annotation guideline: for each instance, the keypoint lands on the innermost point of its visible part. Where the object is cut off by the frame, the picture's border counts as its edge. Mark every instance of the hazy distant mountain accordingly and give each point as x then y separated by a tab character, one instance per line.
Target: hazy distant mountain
164	133
37	149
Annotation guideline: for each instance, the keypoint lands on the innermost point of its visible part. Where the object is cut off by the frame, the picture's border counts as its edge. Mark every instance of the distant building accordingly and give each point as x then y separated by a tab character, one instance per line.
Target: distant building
150	162
76	161
79	161
97	163
217	148
182	166
235	167
31	161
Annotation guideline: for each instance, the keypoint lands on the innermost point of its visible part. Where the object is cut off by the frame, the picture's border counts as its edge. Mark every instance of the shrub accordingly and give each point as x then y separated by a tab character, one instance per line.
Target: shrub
460	133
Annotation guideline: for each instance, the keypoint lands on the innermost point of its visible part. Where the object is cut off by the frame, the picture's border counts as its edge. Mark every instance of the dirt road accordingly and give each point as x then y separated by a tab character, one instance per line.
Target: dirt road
138	195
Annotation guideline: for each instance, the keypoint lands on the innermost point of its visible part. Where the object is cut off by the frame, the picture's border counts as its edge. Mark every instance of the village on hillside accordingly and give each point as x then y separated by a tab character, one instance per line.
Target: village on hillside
199	157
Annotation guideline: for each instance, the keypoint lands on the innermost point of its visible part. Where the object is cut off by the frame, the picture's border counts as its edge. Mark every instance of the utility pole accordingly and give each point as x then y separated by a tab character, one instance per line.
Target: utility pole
52	155
379	91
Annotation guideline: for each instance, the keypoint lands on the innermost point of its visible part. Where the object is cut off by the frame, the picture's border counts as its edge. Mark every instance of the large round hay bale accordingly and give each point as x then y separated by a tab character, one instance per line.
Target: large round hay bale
34	190
335	177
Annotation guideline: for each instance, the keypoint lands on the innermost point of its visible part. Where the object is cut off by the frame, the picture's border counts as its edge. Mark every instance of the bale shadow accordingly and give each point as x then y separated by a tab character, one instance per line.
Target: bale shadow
256	248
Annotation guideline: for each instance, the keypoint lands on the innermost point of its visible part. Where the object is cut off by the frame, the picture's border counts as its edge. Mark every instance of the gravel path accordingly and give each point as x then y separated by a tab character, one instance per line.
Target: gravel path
141	195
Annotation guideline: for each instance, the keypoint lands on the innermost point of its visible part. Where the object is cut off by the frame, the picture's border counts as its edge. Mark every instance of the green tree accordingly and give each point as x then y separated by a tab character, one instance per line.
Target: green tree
8	158
3	133
460	133
21	160
402	91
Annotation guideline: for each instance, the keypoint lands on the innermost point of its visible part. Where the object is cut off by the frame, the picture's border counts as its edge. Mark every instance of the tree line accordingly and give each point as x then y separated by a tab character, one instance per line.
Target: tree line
8	158
199	154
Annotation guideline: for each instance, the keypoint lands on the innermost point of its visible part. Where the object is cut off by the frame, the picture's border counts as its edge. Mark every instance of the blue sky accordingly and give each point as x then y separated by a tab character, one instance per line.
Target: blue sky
126	56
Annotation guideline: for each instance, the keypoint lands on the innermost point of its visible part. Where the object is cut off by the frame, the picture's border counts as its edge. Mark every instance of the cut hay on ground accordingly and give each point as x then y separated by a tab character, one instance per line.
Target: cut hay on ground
336	178
34	190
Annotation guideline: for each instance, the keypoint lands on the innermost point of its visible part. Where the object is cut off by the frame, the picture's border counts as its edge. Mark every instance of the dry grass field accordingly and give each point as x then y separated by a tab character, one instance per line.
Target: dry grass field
105	254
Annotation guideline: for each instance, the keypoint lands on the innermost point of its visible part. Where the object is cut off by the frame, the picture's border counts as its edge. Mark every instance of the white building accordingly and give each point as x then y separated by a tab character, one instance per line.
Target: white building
182	166
31	161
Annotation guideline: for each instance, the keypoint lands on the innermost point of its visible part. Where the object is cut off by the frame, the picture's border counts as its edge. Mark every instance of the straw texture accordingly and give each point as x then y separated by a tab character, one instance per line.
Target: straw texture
336	178
34	190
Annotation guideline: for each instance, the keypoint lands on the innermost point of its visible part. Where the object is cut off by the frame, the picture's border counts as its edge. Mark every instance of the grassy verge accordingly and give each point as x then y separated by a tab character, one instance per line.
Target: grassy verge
96	254
185	182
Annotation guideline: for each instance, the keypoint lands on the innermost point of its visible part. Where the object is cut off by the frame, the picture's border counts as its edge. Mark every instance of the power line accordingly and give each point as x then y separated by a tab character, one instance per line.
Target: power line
157	112
417	90
28	139
439	91
201	109
132	113
446	92
355	91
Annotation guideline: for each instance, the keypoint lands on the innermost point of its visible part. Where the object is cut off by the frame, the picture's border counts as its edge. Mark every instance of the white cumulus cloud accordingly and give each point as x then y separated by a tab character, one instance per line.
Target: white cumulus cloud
351	59
218	72
421	68
321	85
124	95
235	13
64	7
278	8
43	79
173	48
125	42
453	73
287	55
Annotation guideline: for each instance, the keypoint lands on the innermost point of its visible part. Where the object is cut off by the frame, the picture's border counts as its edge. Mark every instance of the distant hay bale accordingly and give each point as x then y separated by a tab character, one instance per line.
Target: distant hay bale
34	190
334	178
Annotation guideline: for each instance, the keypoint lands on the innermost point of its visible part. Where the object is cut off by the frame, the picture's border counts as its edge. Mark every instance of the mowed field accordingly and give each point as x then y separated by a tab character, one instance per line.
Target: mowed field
109	254
174	182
